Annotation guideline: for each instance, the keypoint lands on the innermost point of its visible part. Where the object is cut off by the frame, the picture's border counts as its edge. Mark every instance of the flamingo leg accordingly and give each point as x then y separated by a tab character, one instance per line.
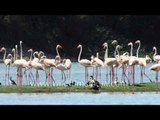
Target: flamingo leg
110	75
8	74
133	74
107	74
20	75
96	72
141	68
100	73
52	76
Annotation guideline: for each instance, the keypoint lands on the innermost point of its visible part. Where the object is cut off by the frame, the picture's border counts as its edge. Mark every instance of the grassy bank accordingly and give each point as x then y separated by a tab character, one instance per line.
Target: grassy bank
145	87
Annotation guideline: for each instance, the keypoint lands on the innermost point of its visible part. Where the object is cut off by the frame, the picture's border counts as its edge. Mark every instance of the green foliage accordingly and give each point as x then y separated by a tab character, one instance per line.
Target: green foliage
44	32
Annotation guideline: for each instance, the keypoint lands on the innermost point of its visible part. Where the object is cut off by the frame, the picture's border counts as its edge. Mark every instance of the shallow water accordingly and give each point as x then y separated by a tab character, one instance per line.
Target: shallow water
113	98
77	74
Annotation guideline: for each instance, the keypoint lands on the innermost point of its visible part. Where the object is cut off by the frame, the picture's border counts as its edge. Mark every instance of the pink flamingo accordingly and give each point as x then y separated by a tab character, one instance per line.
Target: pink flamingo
142	61
19	63
50	64
98	63
85	62
66	65
7	62
109	62
132	62
123	60
155	67
28	67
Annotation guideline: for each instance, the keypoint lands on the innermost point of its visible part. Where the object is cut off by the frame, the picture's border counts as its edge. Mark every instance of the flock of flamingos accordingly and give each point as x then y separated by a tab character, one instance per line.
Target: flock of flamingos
126	62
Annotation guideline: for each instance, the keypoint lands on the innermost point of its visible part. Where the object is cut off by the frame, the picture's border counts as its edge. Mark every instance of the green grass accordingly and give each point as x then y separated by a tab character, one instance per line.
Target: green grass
145	87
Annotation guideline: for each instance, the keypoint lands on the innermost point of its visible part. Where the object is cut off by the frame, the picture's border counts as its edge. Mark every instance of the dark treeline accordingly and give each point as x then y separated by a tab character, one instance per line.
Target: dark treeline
44	32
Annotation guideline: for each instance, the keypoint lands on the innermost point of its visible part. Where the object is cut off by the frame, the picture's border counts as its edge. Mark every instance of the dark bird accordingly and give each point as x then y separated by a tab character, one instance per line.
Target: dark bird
12	81
94	83
71	84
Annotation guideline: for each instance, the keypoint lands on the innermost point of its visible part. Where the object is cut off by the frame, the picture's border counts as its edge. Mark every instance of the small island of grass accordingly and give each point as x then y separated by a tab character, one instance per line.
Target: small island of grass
143	87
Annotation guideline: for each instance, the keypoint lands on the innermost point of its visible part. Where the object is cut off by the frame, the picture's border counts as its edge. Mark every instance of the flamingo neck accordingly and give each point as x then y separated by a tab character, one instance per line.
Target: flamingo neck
40	54
16	52
97	55
80	54
155	53
57	51
117	51
21	51
138	49
31	56
106	53
34	54
4	56
131	50
14	55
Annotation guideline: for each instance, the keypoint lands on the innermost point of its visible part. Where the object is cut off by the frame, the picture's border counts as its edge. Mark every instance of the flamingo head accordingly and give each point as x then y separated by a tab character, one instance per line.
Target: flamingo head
118	47
79	46
138	41
105	45
114	42
130	43
9	56
20	42
2	49
154	48
59	46
41	52
30	50
92	57
148	59
126	54
13	50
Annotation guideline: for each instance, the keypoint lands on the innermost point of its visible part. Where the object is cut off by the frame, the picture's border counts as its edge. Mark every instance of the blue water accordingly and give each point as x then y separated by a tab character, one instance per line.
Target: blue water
114	98
77	74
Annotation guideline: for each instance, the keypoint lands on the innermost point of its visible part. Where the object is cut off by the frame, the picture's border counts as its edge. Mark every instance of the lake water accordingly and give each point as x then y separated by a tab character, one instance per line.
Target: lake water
77	74
114	98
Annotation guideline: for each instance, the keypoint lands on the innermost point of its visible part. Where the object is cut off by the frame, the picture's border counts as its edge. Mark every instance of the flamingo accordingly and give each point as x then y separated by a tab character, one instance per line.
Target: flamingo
38	66
28	67
98	63
66	65
155	67
109	62
19	63
142	61
123	60
115	42
7	62
132	62
48	63
51	63
85	62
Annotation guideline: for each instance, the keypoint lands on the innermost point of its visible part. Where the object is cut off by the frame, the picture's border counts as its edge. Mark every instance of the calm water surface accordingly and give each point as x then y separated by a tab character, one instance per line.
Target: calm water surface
114	98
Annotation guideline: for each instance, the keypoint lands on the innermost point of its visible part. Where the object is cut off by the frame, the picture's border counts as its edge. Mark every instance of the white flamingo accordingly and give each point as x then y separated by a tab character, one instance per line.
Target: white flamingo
7	61
85	62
